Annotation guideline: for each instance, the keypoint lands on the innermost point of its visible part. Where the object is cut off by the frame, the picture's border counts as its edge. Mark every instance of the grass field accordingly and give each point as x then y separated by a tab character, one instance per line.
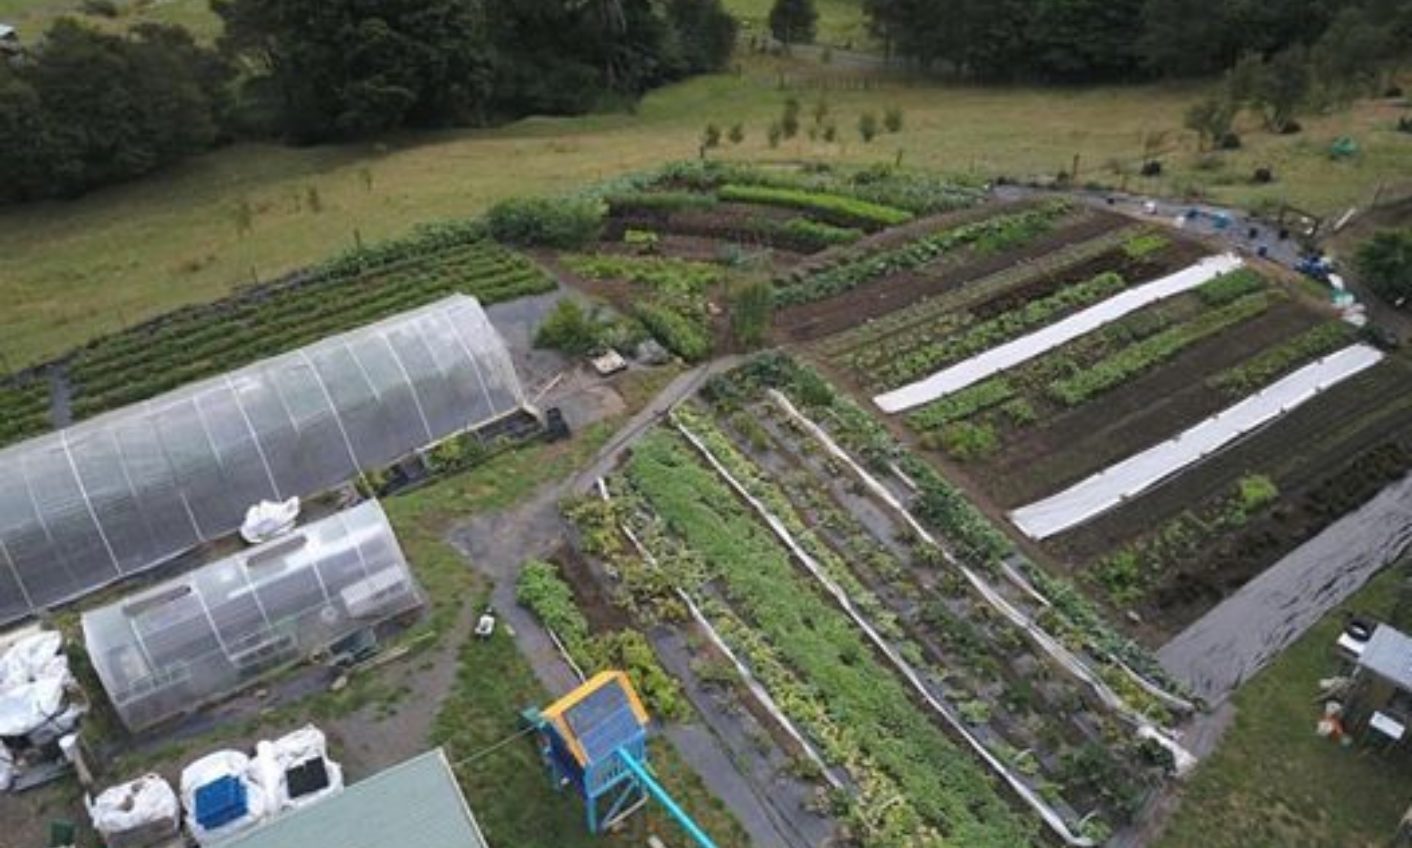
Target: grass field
1273	782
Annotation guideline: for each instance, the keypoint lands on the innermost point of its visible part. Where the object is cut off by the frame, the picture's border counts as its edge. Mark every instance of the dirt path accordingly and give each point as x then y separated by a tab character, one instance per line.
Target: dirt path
1250	628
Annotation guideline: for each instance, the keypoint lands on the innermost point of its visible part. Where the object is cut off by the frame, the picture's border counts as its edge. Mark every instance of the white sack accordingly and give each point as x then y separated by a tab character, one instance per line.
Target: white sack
274	759
268	519
137	803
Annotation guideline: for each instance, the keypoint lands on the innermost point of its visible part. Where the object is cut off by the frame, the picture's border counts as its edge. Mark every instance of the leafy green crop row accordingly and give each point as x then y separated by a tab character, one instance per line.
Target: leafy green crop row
998	233
946	350
1135	359
822	646
919	192
848	211
678	276
543	592
1265	366
685	335
1230	286
897	327
24	411
963	404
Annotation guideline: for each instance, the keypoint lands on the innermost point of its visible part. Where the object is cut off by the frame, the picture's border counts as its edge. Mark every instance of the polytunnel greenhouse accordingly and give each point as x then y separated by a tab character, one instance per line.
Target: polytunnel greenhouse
207	634
128	490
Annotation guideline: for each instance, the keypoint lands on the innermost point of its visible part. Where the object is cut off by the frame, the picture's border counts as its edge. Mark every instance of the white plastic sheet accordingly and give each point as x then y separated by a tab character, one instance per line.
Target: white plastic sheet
1010	354
209	769
34	677
147	804
268	519
273	760
1140	472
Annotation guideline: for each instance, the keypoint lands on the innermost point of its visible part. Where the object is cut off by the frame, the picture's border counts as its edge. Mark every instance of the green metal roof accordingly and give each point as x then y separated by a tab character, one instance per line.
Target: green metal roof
417	803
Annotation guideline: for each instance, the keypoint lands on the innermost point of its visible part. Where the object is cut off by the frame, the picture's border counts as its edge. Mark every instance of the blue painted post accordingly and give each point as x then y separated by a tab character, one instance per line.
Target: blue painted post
656	791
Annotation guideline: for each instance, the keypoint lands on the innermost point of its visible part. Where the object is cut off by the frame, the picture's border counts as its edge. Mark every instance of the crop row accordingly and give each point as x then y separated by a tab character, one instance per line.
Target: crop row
220	341
1001	232
686	335
820	644
946	349
678	276
1267	365
939	505
917	316
24	411
962	404
919	192
1079	388
847	211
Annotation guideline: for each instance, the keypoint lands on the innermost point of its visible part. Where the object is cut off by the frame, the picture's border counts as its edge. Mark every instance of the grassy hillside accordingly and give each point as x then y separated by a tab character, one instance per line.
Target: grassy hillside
70	270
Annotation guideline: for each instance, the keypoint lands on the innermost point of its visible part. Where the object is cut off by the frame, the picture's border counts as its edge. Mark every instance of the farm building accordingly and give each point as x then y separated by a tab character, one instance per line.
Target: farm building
186	642
131	489
415	803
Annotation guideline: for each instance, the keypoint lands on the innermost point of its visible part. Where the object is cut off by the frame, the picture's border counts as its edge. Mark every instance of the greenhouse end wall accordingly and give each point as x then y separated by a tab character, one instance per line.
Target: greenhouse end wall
110	497
187	642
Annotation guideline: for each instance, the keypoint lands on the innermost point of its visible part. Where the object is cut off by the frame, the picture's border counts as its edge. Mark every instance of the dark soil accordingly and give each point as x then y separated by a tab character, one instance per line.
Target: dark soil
589	595
897	291
1155	406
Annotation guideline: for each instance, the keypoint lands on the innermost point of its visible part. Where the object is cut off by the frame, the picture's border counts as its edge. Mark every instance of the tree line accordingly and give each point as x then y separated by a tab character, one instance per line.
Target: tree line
1124	40
82	108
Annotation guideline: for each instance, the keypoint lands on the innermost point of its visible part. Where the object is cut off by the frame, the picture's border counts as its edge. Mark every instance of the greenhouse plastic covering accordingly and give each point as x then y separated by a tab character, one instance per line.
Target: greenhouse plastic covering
1136	474
204	635
1010	354
109	497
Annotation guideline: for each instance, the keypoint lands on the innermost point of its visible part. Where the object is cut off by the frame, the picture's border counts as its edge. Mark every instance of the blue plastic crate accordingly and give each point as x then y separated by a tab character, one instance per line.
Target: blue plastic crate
221	802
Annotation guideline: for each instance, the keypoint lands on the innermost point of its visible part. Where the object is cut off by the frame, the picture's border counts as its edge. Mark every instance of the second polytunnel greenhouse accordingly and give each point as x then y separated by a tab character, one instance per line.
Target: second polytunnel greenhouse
121	493
167	650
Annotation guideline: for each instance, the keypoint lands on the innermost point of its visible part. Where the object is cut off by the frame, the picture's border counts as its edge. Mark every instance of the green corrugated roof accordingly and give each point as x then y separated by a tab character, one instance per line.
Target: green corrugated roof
417	803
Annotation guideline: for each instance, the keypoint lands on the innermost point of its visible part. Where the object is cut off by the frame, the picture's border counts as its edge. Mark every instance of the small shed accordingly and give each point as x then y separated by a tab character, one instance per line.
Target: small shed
417	803
1382	699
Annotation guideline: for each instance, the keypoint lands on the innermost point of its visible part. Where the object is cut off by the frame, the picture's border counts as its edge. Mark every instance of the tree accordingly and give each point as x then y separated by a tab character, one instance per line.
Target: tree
892	119
568	328
1384	263
793	21
1211	119
1283	88
705	34
737	133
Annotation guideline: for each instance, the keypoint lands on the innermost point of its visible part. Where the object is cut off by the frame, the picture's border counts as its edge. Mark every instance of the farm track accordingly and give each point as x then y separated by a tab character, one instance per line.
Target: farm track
812	321
1136	415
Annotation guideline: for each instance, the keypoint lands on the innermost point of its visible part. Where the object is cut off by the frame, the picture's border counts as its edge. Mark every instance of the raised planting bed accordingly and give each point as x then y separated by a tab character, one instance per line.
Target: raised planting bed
835	209
668	296
1012	702
896	290
200	342
741	225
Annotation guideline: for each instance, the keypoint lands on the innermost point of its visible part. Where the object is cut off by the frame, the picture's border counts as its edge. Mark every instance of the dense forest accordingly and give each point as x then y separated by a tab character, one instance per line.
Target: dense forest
82	108
1124	40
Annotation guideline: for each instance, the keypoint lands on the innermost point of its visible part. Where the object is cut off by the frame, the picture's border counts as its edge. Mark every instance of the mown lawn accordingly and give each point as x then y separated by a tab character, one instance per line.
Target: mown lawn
1273	782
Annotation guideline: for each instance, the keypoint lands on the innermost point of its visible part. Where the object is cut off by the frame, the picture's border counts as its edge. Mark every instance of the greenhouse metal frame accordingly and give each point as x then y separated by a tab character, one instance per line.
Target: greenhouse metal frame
205	635
121	493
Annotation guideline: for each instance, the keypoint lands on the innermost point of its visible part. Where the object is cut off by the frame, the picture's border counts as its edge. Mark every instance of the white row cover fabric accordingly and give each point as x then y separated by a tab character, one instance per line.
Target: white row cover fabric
210	769
141	811
209	633
1136	474
1012	353
126	491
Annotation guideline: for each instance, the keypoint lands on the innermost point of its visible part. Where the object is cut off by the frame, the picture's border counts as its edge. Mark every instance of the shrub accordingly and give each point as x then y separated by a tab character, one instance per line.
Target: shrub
752	306
789	121
568	328
1384	262
892	119
868	126
711	136
737	133
1255	491
564	223
774	134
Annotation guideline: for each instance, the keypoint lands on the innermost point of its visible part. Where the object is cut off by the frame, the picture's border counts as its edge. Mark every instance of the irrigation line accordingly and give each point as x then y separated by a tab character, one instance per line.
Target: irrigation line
757	690
1050	816
1067	659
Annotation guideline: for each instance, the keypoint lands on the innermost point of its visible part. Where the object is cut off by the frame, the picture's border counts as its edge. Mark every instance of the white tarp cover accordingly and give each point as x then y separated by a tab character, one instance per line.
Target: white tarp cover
147	803
34	676
1012	353
174	646
1127	479
209	769
268	519
273	760
131	489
